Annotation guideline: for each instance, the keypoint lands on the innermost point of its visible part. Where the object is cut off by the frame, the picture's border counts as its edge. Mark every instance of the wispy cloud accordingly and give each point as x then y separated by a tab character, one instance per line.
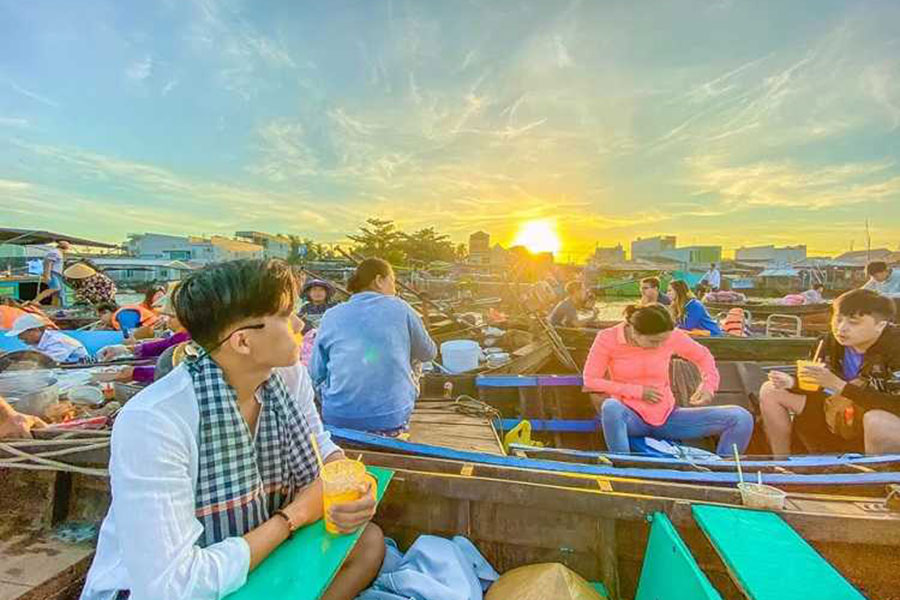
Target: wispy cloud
32	95
140	70
13	122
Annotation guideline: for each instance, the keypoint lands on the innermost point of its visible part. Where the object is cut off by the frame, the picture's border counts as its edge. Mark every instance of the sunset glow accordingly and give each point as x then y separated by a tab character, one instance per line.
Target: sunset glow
538	236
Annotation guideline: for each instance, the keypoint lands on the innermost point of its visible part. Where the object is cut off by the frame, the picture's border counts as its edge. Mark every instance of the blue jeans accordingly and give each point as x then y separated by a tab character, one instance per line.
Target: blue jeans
56	283
732	424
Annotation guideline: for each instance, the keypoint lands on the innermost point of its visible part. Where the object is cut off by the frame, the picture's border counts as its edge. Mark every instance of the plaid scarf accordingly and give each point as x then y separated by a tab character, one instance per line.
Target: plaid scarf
242	481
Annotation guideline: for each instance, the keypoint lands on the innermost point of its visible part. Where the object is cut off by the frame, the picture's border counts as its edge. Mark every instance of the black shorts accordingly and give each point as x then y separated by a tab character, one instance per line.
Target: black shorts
811	430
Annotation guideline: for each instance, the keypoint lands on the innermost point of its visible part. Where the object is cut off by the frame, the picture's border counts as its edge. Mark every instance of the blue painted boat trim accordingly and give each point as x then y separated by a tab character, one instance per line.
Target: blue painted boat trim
796	461
528	381
554	425
721	478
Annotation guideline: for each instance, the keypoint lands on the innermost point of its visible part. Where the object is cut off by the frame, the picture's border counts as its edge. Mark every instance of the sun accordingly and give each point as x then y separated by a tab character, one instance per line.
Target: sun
538	236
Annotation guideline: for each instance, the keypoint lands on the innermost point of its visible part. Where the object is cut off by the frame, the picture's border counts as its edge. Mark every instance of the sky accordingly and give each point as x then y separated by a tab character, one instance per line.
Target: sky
721	122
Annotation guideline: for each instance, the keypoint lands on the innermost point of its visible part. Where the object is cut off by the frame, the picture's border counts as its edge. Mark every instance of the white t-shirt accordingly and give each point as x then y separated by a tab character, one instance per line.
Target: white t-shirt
148	540
55	258
714	278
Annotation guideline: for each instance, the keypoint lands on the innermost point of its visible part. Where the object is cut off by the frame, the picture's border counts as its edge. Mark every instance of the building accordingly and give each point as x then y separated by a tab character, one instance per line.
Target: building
861	257
131	272
613	255
694	255
197	250
479	248
274	246
650	247
771	254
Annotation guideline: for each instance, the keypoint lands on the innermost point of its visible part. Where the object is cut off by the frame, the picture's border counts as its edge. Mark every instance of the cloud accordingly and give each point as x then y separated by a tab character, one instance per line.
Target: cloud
171	85
8	185
13	122
789	184
140	70
243	53
30	94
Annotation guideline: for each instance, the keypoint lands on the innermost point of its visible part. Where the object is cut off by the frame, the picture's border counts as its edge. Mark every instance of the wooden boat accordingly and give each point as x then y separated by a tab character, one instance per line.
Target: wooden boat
765	309
596	525
814	318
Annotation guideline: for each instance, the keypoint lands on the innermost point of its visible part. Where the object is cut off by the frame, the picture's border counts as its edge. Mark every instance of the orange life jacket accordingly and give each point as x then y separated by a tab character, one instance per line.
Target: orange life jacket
148	317
8	315
734	322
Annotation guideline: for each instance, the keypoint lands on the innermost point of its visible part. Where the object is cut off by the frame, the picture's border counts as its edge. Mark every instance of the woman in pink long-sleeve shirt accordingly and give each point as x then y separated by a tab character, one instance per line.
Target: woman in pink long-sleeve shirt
630	363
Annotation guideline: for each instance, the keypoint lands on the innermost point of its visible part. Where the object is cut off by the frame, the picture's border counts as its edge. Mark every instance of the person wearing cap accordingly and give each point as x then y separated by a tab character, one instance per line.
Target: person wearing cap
318	295
35	331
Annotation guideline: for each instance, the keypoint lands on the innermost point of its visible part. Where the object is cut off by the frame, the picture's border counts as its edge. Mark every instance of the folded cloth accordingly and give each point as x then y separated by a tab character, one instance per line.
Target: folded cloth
433	568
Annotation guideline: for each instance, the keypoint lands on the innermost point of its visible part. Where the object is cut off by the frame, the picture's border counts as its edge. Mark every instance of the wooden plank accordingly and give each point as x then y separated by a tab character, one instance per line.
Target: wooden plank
755	545
40	564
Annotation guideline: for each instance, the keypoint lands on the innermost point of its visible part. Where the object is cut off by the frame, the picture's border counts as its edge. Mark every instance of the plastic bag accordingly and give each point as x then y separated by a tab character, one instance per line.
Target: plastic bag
542	581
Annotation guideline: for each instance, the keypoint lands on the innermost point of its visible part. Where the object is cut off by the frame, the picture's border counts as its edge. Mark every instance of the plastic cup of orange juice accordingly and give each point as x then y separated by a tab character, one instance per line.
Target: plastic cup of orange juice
341	482
805	383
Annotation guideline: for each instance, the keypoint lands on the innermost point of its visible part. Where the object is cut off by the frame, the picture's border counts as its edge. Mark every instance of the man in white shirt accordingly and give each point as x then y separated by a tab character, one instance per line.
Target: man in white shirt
713	277
211	467
33	331
52	277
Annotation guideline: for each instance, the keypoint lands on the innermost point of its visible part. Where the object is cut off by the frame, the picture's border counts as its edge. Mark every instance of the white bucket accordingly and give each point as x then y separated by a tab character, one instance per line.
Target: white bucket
460	355
497	359
755	495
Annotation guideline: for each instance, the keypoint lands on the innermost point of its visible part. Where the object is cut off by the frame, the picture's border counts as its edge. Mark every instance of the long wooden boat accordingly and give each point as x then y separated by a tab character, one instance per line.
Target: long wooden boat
595	524
765	309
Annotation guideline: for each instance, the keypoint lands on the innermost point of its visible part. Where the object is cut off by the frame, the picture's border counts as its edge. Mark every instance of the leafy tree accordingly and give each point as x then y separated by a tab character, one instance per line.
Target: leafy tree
427	245
381	238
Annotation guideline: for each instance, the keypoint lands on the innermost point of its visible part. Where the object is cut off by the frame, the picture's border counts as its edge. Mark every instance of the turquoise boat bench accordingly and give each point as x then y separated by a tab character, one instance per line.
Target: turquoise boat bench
303	567
767	559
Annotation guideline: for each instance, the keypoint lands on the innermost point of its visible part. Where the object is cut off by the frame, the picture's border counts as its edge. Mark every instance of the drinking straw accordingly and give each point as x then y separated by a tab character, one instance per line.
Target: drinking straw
818	350
315	445
737	460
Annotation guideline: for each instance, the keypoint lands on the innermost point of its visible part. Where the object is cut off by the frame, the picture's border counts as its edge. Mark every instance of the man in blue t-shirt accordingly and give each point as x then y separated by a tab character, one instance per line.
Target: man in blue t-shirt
858	384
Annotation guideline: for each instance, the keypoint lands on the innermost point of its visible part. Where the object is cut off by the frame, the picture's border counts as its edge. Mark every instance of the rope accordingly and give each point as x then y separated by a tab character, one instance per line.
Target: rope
467	405
40	462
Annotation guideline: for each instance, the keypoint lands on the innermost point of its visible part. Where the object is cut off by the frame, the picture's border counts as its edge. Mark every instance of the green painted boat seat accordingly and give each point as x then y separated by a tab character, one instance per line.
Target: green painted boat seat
302	567
767	559
670	571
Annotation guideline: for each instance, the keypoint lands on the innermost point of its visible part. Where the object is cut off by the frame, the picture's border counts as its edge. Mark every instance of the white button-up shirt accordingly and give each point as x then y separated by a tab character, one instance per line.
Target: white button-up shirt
148	540
61	348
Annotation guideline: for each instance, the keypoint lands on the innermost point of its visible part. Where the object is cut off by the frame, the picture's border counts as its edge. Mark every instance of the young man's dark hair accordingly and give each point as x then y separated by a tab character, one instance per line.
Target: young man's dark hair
573	287
819	286
212	299
875	267
651	281
858	303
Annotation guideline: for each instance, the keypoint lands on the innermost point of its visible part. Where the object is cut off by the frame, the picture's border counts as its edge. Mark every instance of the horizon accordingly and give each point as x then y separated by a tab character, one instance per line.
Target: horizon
722	123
